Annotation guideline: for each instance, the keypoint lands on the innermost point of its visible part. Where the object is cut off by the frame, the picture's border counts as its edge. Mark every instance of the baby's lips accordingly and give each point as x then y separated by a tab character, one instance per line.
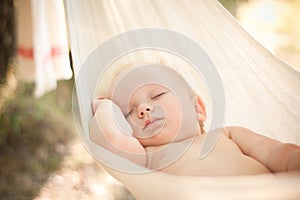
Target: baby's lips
95	103
147	122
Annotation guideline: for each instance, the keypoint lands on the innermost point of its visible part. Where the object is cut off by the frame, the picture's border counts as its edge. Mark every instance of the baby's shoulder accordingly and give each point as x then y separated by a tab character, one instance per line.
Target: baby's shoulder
228	131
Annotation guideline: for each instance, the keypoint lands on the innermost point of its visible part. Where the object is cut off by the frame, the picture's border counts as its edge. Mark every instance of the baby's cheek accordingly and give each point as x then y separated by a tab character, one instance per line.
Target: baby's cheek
173	121
173	111
133	123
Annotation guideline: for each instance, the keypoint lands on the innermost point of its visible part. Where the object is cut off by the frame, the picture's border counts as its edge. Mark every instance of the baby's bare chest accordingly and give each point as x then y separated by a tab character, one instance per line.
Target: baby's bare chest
225	158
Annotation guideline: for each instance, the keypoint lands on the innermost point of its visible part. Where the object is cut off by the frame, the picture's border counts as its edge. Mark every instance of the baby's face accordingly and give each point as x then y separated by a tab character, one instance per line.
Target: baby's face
154	114
158	104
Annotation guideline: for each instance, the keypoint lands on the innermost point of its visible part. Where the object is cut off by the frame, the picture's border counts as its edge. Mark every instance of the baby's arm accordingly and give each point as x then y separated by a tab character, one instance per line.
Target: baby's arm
105	131
275	155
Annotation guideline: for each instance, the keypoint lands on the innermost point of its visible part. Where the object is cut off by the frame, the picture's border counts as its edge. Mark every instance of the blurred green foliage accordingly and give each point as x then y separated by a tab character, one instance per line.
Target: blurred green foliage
34	134
231	5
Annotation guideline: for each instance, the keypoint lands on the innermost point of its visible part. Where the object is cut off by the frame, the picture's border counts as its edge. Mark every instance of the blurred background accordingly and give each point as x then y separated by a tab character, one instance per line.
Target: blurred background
41	156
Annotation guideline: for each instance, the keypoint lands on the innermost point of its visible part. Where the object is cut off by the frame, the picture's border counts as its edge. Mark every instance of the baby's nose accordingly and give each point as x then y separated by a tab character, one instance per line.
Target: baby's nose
144	110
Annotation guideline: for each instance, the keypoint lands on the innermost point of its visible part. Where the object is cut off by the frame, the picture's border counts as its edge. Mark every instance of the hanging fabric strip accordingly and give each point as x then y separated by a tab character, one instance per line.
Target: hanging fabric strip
42	44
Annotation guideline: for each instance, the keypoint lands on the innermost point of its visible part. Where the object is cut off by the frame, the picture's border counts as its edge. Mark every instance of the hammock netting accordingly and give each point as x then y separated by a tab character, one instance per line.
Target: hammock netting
261	91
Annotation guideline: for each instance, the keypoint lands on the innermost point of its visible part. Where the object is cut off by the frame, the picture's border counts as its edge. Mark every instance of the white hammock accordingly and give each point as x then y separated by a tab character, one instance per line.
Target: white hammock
262	92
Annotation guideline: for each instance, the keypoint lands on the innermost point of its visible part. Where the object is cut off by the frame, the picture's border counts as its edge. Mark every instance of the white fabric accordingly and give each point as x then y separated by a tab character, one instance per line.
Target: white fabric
43	53
262	92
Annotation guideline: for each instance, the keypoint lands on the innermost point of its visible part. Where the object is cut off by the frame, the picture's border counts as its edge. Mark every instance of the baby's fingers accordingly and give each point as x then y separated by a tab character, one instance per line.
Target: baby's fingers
96	103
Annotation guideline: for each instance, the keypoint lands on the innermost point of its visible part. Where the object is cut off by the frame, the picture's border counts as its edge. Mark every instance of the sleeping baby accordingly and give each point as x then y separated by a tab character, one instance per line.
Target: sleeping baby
153	118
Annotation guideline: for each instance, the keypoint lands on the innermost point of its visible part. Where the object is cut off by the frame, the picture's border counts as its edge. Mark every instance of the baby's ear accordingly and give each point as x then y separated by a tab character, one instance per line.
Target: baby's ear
200	109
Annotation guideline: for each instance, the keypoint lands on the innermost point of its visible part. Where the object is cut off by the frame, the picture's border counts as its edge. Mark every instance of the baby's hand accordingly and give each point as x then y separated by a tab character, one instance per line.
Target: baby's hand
110	117
110	129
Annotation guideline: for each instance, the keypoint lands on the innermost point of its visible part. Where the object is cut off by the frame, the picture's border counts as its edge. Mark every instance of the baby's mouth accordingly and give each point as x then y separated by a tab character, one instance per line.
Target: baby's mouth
150	128
151	121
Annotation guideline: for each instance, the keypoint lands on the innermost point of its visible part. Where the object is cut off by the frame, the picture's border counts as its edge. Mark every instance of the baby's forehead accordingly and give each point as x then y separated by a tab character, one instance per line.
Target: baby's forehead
147	74
133	79
153	86
150	88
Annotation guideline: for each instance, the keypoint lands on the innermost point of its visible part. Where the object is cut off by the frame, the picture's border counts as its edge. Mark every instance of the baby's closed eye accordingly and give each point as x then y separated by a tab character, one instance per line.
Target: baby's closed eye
158	93
129	112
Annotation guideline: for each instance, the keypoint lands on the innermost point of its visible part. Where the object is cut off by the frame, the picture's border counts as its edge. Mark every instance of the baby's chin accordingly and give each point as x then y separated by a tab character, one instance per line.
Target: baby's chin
156	140
165	137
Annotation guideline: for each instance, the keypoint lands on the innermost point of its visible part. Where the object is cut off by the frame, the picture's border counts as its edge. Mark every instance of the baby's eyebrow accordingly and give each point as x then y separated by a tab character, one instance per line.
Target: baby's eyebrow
160	88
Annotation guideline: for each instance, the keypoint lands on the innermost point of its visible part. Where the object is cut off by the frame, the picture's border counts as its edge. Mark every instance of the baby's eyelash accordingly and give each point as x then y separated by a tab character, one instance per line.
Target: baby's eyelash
127	115
158	95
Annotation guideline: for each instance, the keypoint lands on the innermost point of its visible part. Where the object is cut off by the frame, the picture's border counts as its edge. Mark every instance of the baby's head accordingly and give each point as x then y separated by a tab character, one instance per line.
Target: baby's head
158	103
